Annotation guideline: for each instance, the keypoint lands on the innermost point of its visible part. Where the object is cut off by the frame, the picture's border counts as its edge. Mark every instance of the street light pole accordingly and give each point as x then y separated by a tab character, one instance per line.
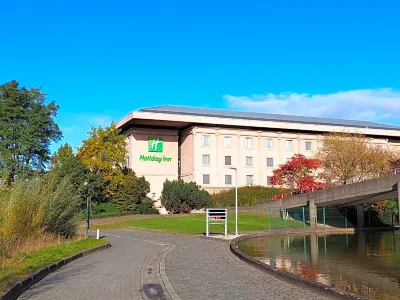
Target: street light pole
88	204
236	201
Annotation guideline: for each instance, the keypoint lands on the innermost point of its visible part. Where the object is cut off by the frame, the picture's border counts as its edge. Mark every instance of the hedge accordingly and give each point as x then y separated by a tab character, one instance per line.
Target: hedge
247	196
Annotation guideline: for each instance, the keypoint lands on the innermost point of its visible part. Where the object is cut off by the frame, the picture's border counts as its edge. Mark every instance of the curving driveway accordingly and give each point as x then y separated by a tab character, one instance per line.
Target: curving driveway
150	265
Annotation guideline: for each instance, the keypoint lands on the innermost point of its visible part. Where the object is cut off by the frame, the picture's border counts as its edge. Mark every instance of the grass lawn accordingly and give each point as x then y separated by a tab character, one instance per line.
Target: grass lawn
196	223
34	261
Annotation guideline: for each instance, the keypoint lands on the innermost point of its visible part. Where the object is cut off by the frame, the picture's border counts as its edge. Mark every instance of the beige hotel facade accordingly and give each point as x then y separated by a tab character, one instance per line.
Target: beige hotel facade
208	145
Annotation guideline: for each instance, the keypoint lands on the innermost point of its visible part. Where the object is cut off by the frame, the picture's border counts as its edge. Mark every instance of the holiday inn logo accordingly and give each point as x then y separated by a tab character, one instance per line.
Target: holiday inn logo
155	144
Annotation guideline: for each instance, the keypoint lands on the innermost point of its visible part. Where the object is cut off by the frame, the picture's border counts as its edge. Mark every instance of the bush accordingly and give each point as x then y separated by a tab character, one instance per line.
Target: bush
247	196
107	209
146	209
132	192
38	205
178	196
60	208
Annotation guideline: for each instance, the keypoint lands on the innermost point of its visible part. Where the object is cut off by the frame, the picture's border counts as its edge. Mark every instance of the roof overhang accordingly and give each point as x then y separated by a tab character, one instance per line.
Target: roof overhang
179	121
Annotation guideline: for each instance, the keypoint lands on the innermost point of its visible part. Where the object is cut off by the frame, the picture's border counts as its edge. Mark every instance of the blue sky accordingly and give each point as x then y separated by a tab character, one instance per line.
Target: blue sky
99	60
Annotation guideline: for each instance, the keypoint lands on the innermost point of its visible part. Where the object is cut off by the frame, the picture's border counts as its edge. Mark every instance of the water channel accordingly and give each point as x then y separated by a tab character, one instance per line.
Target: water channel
364	263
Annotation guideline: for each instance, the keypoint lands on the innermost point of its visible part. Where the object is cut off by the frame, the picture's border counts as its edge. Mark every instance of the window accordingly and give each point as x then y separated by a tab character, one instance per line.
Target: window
268	144
249	179
228	179
206	140
249	161
289	145
288	159
227	141
308	146
269	180
206	159
270	162
248	143
228	160
206	179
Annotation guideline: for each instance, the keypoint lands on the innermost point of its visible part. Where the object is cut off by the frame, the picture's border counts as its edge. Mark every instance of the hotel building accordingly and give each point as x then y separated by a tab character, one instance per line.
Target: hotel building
208	145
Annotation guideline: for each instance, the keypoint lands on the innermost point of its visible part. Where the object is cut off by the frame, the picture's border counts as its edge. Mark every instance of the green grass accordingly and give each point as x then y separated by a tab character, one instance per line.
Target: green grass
196	223
34	261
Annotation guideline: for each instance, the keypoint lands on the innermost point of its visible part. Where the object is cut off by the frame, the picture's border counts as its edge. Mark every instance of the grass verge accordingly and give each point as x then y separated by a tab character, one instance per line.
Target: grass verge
196	223
29	262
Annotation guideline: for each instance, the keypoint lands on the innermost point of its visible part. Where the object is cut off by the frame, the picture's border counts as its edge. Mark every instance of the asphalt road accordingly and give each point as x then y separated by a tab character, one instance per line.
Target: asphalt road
150	265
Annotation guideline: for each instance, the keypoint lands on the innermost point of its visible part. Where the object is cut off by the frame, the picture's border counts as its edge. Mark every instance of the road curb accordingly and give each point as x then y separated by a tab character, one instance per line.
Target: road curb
17	289
283	274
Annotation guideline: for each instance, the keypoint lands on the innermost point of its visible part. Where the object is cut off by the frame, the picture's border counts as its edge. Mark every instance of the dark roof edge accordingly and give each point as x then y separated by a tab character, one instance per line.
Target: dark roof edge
155	110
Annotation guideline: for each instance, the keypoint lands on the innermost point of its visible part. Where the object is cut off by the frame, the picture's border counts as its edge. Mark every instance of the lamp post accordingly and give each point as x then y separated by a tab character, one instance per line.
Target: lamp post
88	211
236	200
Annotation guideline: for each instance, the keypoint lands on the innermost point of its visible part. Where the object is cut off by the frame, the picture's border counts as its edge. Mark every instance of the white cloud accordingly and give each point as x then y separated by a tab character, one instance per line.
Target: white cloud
382	105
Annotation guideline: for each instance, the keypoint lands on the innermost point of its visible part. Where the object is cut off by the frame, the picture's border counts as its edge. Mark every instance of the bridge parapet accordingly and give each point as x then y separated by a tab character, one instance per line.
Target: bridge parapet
380	189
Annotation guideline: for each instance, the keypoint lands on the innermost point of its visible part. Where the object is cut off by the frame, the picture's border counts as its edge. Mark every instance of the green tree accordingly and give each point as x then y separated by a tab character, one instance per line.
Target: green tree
64	163
27	127
179	196
104	152
132	191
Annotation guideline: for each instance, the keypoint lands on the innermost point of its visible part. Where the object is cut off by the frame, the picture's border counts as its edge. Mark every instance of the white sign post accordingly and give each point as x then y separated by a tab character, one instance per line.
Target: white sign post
216	216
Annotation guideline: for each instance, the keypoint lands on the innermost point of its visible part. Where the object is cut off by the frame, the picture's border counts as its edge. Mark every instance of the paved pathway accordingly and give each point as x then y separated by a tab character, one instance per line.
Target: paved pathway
149	265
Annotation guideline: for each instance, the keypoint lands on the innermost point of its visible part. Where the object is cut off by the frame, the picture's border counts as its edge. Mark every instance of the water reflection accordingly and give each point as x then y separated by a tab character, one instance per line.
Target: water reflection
365	263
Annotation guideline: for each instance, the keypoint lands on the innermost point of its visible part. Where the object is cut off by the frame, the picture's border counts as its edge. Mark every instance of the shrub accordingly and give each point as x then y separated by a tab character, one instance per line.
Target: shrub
247	196
107	209
39	205
178	196
133	191
146	209
60	208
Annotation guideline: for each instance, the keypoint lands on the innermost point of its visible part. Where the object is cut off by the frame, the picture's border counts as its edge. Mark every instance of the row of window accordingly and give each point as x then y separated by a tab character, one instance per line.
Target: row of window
249	161
248	143
228	179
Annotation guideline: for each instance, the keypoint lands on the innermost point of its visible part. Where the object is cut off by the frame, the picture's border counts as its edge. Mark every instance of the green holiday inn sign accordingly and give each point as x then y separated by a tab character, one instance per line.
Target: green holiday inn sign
155	145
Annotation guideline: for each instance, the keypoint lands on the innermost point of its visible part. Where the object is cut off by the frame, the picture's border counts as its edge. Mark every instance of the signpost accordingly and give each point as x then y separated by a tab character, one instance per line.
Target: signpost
216	216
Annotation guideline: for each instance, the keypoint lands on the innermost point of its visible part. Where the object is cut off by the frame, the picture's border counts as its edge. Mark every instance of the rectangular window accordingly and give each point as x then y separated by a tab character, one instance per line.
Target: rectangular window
270	162
228	160
206	159
206	179
289	145
249	161
228	179
227	141
308	146
269	180
268	144
249	179
248	143
206	140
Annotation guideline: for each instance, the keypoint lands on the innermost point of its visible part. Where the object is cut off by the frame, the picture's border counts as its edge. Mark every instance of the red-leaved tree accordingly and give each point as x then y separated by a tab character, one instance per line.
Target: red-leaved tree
298	174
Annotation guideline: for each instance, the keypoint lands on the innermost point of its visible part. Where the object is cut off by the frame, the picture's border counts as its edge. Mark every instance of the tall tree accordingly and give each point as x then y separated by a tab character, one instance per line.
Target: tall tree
27	127
299	173
104	152
64	163
351	157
